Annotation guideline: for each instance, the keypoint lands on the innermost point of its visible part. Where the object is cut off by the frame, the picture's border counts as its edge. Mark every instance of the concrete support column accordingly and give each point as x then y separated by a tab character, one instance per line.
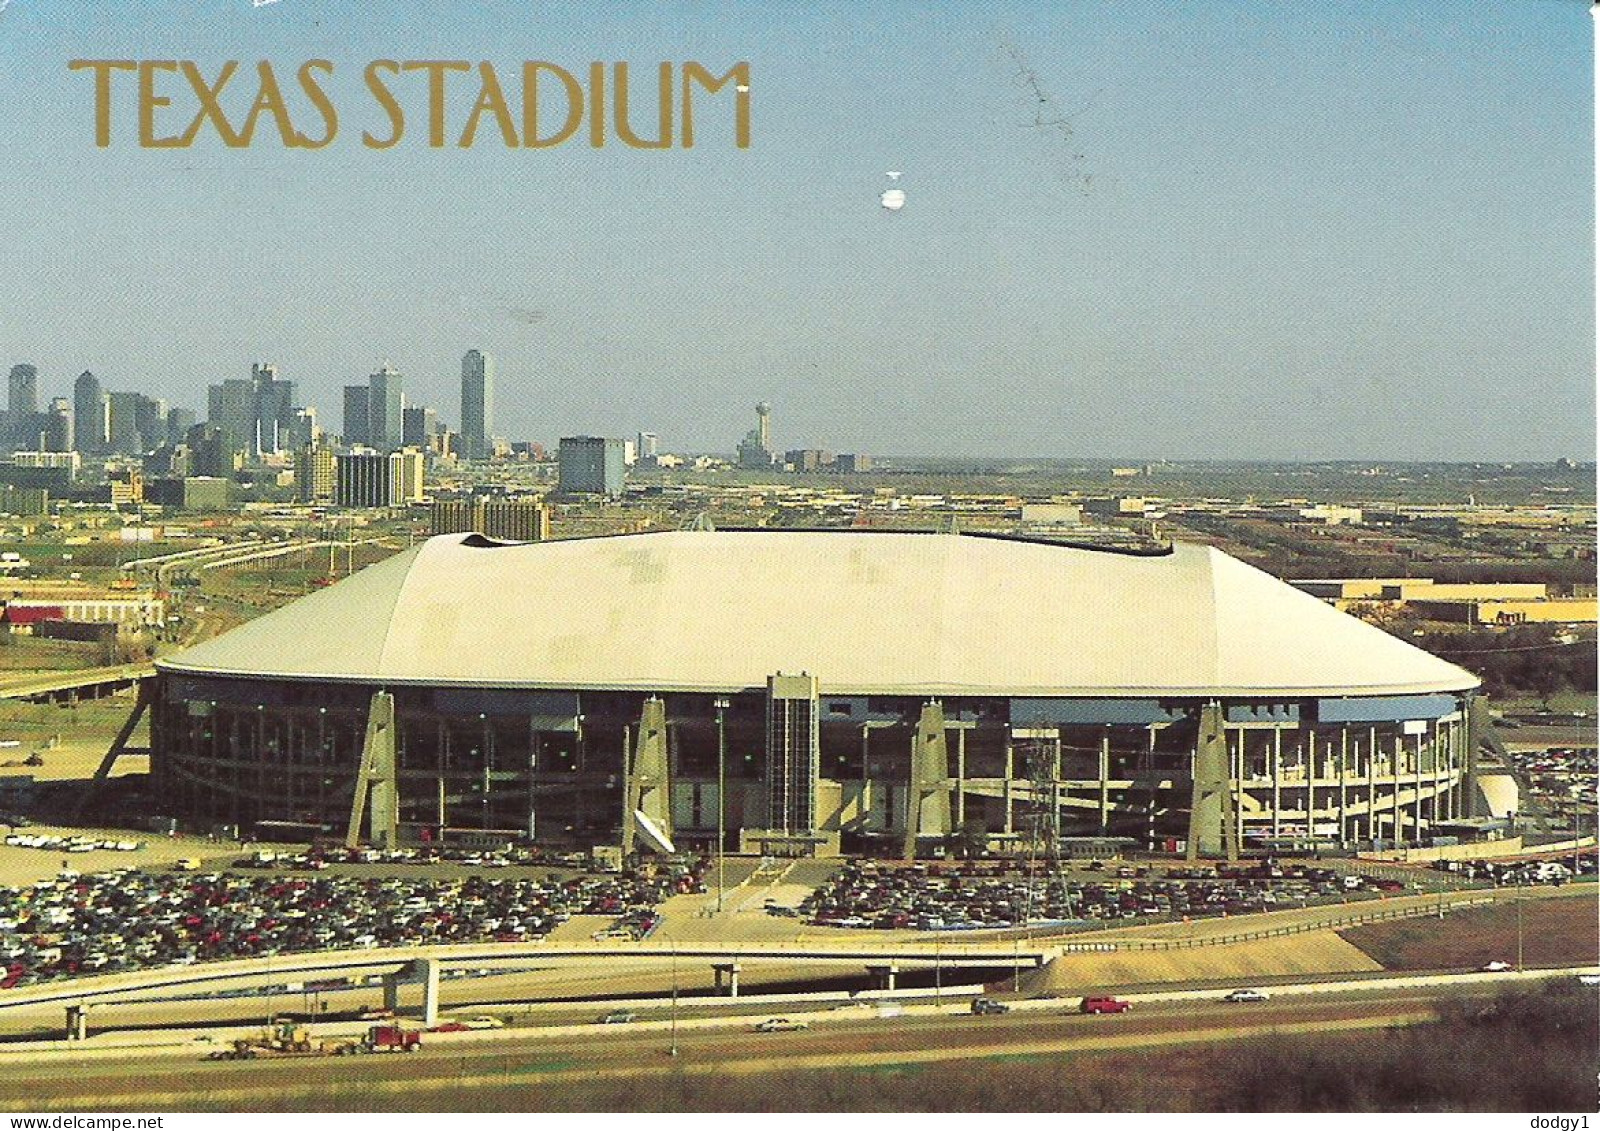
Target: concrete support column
884	975
77	1022
961	778
1372	782
1213	827
1344	784
428	975
391	992
1105	781
1394	775
1010	773
725	974
1277	775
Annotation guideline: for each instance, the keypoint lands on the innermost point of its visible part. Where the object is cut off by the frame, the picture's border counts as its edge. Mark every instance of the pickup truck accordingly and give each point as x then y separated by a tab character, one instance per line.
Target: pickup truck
1104	1004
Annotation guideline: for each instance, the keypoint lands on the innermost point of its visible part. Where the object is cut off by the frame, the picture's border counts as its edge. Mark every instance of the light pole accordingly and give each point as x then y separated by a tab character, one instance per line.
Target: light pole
721	705
1519	924
673	1051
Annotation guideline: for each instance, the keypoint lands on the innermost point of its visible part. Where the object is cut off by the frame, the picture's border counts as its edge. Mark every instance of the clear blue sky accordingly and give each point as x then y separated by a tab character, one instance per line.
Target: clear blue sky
1277	230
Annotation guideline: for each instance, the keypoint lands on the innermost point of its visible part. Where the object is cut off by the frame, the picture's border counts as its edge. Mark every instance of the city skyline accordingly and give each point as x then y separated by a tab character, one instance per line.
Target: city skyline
1234	233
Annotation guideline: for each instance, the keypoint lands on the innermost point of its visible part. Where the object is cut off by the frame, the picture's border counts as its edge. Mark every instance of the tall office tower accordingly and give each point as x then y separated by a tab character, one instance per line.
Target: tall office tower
150	418
357	415
255	414
24	393
384	410
125	438
418	424
58	429
301	430
209	453
645	450
179	421
589	465
755	450
477	403
274	410
91	414
231	409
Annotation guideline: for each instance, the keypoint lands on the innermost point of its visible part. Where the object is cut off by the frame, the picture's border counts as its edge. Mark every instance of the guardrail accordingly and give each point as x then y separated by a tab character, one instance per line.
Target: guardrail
1332	924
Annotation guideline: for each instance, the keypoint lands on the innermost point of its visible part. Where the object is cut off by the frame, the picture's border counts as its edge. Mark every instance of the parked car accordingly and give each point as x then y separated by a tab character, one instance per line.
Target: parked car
619	1017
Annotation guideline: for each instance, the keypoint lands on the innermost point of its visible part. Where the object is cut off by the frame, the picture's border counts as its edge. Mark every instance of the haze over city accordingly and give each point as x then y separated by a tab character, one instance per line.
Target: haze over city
1225	231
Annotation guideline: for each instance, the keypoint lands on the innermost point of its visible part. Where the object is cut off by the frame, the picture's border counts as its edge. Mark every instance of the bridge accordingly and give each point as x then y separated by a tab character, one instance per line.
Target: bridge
84	683
423	965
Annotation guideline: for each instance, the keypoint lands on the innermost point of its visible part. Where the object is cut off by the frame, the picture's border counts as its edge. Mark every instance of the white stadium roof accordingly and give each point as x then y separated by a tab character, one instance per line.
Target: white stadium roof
867	613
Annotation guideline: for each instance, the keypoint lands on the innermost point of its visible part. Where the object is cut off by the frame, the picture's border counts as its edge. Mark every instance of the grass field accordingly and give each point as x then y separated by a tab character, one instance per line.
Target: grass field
1555	932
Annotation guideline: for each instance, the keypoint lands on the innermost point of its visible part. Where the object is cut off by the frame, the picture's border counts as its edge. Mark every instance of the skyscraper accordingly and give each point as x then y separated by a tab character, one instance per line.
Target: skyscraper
24	392
477	403
384	404
255	415
125	438
357	415
91	414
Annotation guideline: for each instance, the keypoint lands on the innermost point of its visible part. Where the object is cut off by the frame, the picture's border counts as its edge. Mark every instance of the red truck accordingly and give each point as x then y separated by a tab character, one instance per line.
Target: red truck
383	1038
1104	1004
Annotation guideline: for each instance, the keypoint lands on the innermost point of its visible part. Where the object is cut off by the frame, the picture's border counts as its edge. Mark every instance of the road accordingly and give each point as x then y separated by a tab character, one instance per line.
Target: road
843	1040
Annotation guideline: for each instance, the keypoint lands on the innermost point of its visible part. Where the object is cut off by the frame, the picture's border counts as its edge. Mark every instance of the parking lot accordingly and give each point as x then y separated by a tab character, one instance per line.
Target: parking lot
125	920
971	895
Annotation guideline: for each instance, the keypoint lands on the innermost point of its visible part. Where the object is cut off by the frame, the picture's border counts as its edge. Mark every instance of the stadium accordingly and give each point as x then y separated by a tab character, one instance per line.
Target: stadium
816	692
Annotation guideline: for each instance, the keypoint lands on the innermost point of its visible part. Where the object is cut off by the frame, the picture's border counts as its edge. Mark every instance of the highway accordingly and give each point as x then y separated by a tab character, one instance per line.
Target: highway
840	1039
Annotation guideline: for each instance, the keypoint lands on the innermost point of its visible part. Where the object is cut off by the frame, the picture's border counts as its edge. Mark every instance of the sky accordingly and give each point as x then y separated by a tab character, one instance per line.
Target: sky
1133	229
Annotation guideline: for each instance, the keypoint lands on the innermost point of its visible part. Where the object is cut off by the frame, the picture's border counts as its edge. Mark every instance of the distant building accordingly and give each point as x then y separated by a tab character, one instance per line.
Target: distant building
357	415
91	414
190	493
126	487
23	399
590	465
407	468
179	421
418	426
316	474
57	433
509	520
209	453
363	479
125	439
755	450
385	404
646	448
852	462
1116	506
809	459
378	479
477	404
256	416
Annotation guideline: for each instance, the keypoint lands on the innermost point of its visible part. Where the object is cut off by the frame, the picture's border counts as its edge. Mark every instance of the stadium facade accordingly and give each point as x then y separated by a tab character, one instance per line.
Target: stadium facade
817	692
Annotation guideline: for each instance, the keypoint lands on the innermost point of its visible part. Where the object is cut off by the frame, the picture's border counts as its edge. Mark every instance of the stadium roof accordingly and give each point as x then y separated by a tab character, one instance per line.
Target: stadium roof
867	613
